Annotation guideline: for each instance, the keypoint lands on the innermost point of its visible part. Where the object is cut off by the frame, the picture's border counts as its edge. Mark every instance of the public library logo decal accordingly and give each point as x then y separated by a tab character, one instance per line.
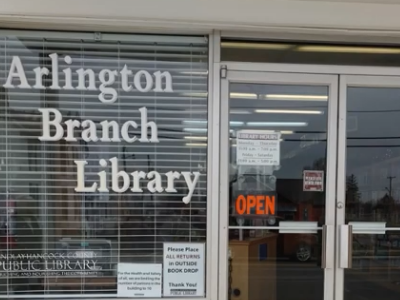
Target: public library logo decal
49	264
52	122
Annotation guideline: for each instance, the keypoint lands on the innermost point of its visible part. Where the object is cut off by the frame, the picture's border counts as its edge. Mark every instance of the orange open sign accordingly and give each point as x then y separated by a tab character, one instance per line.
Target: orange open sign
255	204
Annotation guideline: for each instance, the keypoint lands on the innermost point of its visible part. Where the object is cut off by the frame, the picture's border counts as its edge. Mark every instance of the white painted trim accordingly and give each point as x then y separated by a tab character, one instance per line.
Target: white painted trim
331	175
210	177
294	20
224	186
341	184
251	15
212	275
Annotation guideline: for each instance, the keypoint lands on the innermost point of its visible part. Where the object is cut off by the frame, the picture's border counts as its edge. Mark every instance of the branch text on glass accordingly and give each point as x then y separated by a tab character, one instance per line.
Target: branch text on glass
53	130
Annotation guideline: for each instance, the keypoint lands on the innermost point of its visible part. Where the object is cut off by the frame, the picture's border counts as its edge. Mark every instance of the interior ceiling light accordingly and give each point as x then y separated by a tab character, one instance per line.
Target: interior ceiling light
270	131
195	94
244	45
243	95
276	131
277	124
239	112
195	122
288	111
204	122
286	132
195	129
348	49
296	97
202	138
236	123
195	72
197	144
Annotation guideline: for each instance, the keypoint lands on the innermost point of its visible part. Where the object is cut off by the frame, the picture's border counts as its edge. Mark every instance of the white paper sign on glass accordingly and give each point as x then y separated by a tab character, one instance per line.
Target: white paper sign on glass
183	269
258	148
139	280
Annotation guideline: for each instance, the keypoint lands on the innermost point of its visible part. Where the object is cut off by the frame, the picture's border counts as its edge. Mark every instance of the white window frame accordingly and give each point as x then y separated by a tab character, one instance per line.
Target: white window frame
212	235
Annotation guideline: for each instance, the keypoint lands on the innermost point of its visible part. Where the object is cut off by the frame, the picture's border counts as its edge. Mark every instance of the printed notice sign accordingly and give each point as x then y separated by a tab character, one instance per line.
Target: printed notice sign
139	280
258	148
313	181
183	269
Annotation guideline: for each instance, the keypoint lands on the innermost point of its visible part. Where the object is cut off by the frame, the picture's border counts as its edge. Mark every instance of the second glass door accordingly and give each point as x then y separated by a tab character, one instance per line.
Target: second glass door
281	132
368	208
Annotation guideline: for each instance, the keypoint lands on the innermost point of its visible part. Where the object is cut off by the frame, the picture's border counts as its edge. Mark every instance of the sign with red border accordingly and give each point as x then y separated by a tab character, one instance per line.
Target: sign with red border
313	181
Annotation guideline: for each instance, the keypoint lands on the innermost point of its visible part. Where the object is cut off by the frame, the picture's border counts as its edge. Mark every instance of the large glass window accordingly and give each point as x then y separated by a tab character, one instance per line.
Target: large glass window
103	155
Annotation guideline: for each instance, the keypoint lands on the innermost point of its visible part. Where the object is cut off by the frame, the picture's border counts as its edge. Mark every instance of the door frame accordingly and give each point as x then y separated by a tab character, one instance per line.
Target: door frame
355	75
263	77
311	68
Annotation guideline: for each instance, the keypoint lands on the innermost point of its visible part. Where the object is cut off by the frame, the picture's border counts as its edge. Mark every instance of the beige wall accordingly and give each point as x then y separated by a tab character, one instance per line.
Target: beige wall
311	16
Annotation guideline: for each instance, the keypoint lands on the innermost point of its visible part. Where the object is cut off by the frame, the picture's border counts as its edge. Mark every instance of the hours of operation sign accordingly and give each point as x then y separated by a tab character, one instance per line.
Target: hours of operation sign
258	148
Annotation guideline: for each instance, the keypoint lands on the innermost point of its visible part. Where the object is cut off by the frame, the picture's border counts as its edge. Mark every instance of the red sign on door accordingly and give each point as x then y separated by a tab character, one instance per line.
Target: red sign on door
313	181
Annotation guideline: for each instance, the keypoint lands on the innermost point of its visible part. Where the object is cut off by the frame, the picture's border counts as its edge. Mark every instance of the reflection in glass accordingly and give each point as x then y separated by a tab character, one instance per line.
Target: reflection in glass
54	240
312	54
373	191
277	132
375	272
373	153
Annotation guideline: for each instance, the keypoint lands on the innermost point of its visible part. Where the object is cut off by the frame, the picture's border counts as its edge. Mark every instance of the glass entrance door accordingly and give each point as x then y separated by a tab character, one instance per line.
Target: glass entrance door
368	207
278	185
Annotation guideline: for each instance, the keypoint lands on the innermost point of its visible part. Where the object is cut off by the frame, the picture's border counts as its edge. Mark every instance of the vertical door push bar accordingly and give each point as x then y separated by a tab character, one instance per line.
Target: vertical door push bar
327	259
346	246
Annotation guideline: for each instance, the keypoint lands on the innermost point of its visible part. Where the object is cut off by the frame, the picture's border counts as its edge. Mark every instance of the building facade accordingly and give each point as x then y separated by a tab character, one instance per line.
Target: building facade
240	150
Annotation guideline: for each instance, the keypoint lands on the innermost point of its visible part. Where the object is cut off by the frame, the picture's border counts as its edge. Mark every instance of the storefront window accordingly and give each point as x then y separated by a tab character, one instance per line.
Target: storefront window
103	155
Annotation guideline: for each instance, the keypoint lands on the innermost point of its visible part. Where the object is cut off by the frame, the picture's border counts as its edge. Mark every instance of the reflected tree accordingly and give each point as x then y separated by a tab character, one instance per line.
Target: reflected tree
318	165
352	196
386	208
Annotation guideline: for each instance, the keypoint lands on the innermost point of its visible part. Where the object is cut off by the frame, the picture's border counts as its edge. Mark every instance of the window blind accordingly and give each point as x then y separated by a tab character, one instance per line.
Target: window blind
59	237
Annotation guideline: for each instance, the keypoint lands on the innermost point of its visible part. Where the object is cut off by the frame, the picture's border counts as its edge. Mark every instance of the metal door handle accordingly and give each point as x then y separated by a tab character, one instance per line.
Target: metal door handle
327	252
346	246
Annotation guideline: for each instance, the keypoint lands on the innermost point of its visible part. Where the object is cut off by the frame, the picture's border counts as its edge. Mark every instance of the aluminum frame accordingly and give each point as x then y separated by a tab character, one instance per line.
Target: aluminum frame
353	75
212	257
244	75
312	69
317	34
345	82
